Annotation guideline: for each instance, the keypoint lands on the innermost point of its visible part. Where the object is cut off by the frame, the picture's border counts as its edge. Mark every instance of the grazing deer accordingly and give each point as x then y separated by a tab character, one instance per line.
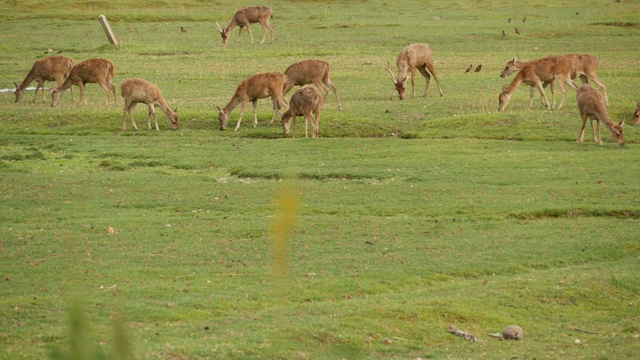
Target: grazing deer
585	67
534	73
136	91
414	56
592	105
636	116
250	15
259	86
311	71
306	102
53	68
99	71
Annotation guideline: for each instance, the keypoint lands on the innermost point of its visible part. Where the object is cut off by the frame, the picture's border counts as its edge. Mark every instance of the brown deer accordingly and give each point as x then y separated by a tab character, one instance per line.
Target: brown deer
306	102
592	105
250	15
136	91
412	57
99	71
585	67
53	68
311	71
259	86
636	116
534	73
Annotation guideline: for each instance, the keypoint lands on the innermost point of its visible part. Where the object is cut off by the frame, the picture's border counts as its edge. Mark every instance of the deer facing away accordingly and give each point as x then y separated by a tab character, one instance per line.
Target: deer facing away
308	102
135	91
592	105
250	15
636	116
259	86
311	71
415	56
534	73
100	71
52	68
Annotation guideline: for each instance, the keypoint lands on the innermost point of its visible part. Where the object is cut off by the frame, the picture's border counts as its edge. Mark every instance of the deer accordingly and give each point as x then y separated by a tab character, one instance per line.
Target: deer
308	102
259	86
636	116
250	15
52	68
100	71
592	105
311	71
415	56
534	73
585	68
135	91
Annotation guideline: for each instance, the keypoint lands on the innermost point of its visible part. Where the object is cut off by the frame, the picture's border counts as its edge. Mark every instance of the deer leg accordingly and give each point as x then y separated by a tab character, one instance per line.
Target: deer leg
254	104
541	90
584	124
113	89
129	106
82	94
249	31
595	79
599	139
564	93
329	84
106	89
532	90
266	29
243	107
433	72
40	84
413	80
427	78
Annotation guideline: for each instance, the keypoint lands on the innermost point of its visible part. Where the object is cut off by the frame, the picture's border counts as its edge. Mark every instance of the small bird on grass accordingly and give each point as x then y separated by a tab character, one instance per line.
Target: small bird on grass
469	69
517	31
478	68
509	20
525	19
182	29
503	33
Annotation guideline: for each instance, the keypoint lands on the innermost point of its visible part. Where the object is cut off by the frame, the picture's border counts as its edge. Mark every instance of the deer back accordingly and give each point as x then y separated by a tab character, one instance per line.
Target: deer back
261	86
305	72
306	99
414	55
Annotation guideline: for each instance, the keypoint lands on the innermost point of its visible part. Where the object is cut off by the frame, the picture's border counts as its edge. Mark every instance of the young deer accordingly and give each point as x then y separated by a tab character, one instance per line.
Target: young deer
259	86
99	71
53	68
136	91
636	116
311	71
414	56
592	105
306	101
536	72
250	15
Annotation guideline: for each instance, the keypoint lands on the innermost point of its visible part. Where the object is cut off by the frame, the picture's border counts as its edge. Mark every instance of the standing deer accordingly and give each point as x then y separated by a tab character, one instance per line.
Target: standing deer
53	68
592	105
136	91
636	116
536	72
250	15
311	71
259	86
306	102
414	56
99	71
585	67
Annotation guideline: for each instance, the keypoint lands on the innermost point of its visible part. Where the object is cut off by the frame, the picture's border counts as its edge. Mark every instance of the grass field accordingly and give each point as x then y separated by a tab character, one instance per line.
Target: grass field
404	216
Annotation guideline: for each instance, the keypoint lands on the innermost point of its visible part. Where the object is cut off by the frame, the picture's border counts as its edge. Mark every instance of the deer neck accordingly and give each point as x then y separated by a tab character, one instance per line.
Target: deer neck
515	83
233	103
27	80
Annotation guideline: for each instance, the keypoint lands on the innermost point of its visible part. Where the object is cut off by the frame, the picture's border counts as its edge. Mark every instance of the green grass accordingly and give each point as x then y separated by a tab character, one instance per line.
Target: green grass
413	214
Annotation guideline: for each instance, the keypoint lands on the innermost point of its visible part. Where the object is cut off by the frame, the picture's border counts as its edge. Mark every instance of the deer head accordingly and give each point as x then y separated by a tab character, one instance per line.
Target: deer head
511	67
616	132
636	116
400	84
223	33
19	92
503	98
223	117
173	118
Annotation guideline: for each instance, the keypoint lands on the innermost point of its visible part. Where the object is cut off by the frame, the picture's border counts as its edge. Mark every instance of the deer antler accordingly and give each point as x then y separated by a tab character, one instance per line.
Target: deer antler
393	77
219	28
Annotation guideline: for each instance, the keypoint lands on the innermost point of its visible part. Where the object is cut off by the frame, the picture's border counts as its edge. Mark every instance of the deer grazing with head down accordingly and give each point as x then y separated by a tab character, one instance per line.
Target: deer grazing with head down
53	68
250	15
259	86
135	91
636	116
415	56
311	71
592	105
585	67
534	73
100	71
307	102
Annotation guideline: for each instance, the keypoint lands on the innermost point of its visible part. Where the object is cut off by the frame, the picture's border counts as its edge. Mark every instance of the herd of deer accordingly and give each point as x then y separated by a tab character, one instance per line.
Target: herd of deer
308	101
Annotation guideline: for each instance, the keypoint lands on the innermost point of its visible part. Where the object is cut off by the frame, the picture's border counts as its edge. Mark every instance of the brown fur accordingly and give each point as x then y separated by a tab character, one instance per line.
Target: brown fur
53	68
534	73
592	105
100	71
306	102
250	15
311	71
636	116
136	91
259	86
415	56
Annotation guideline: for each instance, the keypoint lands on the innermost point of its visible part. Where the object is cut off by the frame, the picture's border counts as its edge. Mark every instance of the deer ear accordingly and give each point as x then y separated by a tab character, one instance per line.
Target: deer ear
176	110
16	84
621	123
516	58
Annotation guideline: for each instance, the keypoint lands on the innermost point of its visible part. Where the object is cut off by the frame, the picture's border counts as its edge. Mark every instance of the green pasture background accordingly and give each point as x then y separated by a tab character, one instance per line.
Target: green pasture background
413	214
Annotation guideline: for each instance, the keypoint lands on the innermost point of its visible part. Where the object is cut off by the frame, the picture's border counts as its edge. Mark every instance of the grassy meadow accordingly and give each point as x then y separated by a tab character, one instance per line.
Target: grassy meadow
402	218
